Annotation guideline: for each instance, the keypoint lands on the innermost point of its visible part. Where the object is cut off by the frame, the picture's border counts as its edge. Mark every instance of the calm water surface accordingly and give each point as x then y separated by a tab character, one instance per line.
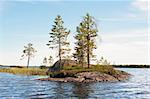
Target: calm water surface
26	87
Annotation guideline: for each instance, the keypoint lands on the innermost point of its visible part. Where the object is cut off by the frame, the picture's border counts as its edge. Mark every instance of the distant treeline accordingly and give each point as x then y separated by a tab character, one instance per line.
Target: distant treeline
132	66
119	66
13	66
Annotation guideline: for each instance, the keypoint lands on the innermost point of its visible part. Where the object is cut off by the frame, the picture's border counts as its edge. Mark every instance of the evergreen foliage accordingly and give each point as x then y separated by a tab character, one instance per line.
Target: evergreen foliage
58	38
87	31
28	52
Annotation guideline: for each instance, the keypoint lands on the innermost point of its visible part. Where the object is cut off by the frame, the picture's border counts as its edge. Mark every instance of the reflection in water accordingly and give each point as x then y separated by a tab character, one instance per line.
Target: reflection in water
25	87
59	90
73	90
81	90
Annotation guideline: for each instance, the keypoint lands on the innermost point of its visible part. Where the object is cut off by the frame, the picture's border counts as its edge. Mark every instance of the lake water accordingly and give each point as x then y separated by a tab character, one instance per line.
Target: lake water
26	87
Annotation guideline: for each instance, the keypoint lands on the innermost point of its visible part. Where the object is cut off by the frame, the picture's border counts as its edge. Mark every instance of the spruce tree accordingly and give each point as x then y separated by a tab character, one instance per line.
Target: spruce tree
58	38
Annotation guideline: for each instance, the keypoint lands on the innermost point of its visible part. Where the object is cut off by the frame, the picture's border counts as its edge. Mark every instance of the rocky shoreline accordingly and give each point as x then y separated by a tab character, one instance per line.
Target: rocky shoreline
87	77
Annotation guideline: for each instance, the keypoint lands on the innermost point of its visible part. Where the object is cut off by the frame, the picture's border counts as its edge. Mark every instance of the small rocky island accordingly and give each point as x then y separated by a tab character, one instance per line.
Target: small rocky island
68	71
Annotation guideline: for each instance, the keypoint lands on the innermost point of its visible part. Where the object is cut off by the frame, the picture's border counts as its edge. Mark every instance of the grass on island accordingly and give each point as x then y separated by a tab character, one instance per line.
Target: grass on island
24	71
67	71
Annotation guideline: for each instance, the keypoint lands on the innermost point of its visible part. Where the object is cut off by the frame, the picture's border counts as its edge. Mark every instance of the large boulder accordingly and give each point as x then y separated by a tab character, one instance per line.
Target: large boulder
59	66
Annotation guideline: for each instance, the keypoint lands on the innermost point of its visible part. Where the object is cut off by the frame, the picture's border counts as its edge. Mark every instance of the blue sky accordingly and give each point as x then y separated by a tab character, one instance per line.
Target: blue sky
123	28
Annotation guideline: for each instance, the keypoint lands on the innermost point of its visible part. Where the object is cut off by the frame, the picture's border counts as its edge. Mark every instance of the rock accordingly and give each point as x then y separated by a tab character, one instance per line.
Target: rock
51	79
96	76
87	77
122	77
64	62
72	79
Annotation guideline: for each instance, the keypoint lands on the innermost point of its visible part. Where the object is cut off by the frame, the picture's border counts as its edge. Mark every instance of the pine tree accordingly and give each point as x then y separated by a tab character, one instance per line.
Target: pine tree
50	60
79	55
45	61
28	52
58	38
103	61
87	31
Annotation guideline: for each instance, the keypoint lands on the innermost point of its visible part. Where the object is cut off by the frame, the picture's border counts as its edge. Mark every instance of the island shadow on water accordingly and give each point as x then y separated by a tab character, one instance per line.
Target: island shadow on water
92	90
78	90
66	90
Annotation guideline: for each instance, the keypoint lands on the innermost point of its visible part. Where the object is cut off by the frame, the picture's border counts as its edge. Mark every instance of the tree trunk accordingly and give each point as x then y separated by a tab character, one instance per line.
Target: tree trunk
28	61
88	46
82	57
88	51
59	53
82	62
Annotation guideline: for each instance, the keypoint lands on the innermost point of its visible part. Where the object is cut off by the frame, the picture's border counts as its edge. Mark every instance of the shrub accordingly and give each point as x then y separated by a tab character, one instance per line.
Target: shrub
43	67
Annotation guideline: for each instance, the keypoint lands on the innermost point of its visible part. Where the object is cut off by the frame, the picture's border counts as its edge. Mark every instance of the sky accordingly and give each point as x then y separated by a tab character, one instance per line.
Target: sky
123	36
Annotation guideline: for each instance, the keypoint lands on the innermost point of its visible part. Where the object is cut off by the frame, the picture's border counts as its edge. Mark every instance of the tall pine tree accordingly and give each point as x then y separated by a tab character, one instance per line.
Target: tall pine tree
87	31
58	38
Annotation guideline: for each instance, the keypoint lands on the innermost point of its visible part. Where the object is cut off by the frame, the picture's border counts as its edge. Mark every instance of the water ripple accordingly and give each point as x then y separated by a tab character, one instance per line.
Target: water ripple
25	87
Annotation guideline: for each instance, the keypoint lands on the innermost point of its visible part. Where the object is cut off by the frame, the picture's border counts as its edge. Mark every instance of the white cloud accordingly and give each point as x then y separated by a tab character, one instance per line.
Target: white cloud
12	57
131	15
126	36
125	47
125	53
141	5
138	11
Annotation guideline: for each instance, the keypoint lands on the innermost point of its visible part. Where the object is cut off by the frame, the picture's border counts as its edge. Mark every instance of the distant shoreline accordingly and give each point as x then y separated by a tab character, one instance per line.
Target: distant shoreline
131	66
116	66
